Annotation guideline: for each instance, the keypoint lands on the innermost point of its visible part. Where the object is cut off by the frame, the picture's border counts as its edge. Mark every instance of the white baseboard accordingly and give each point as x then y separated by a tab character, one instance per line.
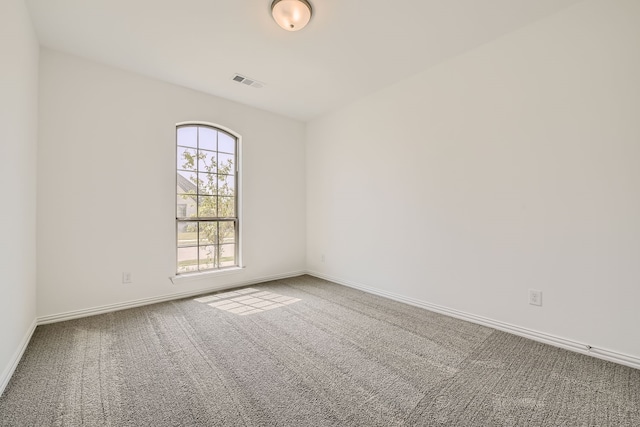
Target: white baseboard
75	314
543	337
17	356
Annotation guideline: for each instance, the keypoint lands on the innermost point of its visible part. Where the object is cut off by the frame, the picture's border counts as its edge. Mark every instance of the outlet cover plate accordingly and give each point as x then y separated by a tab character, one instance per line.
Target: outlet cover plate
535	297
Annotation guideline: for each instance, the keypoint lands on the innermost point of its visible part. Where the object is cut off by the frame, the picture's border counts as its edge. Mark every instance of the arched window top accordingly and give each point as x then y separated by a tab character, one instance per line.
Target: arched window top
211	125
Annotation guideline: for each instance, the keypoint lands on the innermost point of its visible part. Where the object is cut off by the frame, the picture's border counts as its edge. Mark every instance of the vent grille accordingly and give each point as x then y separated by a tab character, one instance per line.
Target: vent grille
247	81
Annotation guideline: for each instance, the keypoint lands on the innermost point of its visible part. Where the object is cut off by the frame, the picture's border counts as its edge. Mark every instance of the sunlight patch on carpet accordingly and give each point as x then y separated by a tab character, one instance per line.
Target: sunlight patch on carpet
247	301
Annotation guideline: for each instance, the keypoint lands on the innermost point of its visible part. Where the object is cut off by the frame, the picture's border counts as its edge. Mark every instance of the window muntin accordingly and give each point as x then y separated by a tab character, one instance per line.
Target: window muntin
207	222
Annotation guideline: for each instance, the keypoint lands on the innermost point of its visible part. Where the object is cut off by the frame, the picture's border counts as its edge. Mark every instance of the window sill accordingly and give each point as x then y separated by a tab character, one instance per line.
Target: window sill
190	277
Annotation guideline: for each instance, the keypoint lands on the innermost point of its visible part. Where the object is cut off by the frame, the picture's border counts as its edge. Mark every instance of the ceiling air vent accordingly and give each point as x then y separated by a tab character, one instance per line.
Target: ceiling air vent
247	81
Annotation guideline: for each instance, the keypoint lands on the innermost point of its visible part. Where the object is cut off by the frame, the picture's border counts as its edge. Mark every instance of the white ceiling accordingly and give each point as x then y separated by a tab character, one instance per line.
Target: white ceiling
349	49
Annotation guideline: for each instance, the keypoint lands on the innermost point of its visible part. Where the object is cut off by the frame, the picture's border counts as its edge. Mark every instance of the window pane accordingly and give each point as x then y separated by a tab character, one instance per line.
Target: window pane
227	255
185	206
208	232
227	232
186	182
226	185
207	183
208	257
225	163
207	139
187	259
207	206
186	158
188	136
187	233
226	143
207	161
226	207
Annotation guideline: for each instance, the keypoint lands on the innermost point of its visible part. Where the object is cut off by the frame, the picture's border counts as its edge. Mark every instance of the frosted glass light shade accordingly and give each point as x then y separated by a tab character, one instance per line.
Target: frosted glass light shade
292	15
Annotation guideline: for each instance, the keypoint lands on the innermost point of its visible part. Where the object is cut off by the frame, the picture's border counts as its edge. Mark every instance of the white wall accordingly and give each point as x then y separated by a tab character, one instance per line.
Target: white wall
107	181
511	167
19	123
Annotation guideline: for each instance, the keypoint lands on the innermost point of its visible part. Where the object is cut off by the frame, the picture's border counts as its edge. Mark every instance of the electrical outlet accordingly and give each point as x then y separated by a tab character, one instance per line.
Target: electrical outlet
322	258
126	277
535	297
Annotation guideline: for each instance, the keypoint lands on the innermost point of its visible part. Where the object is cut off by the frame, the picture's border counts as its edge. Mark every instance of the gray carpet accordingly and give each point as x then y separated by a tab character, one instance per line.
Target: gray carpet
305	352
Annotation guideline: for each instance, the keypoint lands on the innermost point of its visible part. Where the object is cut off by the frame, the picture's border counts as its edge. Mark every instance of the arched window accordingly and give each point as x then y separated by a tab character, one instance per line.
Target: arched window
207	220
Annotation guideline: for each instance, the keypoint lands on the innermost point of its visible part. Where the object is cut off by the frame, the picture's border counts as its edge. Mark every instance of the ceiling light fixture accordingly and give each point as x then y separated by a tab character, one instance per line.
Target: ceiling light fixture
292	15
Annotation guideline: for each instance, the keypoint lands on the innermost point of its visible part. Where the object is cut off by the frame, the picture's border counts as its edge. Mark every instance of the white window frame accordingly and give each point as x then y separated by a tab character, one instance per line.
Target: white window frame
182	276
